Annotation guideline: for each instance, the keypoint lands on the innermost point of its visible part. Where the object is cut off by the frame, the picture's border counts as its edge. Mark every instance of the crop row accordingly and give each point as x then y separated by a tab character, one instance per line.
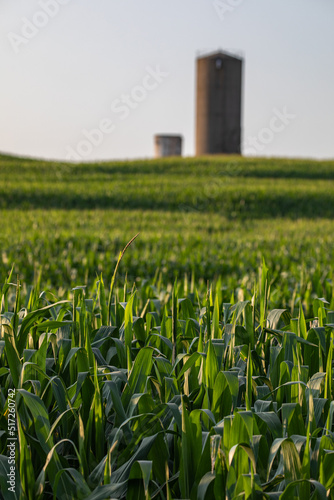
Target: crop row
157	394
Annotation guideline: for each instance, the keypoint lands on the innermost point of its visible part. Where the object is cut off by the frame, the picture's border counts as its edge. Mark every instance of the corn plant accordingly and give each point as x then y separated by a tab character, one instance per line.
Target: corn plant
135	394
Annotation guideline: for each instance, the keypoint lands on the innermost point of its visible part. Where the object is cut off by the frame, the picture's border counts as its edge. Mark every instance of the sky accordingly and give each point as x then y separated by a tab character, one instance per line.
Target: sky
96	79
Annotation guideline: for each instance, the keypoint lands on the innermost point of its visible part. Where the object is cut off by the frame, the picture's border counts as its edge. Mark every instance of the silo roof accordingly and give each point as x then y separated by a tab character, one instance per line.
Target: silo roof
223	55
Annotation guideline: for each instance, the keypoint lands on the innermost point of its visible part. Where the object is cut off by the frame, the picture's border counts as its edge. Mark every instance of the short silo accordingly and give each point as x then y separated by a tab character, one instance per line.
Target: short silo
167	145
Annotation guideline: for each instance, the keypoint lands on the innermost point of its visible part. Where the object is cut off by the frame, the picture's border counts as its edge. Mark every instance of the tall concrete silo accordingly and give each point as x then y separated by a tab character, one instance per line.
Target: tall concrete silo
218	103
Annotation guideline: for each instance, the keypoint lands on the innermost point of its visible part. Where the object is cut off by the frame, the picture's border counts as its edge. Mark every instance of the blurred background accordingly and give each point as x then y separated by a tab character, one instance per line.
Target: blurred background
65	63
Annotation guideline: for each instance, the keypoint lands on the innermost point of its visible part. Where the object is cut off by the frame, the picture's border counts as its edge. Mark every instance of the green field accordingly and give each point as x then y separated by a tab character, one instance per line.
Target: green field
186	397
203	368
207	217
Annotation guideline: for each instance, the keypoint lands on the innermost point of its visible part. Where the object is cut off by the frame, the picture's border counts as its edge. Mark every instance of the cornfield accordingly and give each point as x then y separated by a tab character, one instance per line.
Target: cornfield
141	392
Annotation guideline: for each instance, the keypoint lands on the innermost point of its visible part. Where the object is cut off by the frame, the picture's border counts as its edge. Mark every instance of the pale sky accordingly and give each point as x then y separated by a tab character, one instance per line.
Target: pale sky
127	67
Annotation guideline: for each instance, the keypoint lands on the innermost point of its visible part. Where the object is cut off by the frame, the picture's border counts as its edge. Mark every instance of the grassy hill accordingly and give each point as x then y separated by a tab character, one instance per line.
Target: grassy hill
205	217
149	390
